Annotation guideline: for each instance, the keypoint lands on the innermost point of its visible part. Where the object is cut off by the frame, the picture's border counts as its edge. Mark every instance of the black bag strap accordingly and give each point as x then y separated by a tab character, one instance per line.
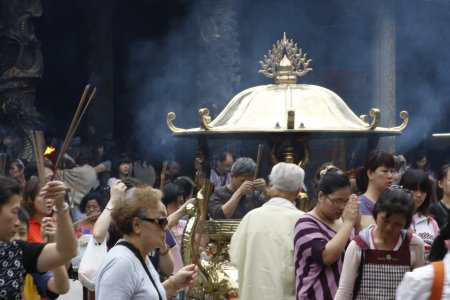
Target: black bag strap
138	255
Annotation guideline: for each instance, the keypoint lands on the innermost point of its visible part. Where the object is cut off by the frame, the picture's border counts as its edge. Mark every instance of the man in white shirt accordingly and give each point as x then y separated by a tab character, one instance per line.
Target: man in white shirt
262	248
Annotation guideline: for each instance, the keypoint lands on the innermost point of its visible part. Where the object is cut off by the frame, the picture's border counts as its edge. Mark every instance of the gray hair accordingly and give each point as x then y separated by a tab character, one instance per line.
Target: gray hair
243	166
287	177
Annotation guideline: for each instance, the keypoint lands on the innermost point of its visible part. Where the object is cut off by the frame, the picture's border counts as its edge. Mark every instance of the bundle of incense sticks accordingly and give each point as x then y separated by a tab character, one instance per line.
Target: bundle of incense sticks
37	139
2	163
85	100
163	175
258	159
87	219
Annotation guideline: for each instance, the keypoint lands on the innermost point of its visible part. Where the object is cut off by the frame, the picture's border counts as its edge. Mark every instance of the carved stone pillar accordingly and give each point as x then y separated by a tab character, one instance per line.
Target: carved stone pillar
220	52
385	69
20	66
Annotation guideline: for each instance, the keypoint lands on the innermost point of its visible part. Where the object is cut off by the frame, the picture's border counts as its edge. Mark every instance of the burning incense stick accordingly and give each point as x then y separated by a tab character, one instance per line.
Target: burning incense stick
37	139
2	163
163	175
81	109
258	159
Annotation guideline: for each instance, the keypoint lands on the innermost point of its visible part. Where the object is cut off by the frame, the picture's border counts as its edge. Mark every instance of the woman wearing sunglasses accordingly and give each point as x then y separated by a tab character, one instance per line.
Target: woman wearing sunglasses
126	272
376	260
321	236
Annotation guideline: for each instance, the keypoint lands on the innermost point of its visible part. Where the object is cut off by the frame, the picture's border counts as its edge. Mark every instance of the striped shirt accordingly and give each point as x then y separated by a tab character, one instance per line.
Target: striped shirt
313	279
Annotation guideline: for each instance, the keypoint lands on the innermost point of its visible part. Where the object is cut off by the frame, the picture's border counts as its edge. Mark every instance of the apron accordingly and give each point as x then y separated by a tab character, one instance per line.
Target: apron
381	271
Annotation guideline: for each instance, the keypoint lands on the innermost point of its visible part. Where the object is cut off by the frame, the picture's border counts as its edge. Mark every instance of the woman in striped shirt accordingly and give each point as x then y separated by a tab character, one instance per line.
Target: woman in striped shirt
322	235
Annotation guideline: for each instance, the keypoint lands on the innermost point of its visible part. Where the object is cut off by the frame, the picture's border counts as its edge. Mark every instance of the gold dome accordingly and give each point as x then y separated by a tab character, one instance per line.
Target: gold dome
287	107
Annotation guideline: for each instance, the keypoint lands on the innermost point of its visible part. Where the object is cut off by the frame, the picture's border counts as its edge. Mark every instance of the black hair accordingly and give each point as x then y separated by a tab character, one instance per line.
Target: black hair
8	188
187	185
443	172
118	160
171	191
93	195
222	156
332	181
415	179
439	247
23	216
31	169
374	160
395	201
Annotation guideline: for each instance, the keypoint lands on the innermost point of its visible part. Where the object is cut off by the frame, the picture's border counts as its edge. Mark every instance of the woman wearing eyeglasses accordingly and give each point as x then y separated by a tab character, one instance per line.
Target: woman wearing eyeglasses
376	260
372	180
126	272
321	236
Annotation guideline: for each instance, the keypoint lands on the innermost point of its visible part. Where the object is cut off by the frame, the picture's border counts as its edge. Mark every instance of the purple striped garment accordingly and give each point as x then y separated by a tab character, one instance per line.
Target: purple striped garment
313	279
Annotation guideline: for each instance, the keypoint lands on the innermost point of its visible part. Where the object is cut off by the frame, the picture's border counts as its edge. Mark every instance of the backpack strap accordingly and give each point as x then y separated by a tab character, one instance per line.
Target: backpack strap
363	245
438	280
360	242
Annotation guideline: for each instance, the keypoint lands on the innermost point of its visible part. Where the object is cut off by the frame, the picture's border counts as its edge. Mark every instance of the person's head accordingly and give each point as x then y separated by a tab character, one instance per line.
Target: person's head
33	202
419	184
16	169
242	170
187	185
142	215
9	207
85	157
286	179
420	160
223	162
92	203
31	170
173	197
377	173
443	178
394	210
22	225
173	169
334	190
121	166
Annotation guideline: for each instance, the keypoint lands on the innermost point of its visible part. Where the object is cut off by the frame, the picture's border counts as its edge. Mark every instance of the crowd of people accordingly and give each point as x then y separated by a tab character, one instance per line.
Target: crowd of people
366	235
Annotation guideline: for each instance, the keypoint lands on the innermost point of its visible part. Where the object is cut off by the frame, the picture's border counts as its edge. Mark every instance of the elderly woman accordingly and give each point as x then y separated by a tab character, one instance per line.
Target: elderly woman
376	260
142	219
322	234
92	205
19	257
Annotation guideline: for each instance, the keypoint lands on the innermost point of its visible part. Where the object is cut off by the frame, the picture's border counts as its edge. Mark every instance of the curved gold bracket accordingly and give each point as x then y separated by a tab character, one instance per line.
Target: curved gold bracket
170	117
375	114
204	118
405	116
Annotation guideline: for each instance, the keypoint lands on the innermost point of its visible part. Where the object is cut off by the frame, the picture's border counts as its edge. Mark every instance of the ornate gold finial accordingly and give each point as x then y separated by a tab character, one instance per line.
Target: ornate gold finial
375	114
204	118
170	117
405	116
285	62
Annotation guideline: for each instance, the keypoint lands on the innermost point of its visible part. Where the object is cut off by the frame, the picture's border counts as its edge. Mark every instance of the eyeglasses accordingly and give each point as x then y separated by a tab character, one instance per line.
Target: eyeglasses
336	202
161	222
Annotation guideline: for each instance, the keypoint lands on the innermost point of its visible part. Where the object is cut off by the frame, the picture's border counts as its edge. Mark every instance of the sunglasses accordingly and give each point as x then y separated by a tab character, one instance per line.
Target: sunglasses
161	222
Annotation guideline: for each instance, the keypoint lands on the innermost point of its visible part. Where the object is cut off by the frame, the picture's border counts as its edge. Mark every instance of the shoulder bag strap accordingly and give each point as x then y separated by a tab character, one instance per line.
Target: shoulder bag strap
138	255
357	285
438	280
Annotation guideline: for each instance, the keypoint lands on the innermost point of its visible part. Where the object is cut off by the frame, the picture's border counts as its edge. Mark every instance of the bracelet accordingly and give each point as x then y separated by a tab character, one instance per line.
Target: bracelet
172	282
62	211
165	252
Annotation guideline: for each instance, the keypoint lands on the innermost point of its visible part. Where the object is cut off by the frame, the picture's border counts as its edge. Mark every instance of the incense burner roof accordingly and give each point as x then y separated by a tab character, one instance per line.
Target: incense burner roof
286	106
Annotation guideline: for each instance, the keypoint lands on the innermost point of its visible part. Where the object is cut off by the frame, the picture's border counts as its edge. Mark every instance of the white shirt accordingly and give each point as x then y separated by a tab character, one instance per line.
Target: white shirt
122	277
416	285
262	248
